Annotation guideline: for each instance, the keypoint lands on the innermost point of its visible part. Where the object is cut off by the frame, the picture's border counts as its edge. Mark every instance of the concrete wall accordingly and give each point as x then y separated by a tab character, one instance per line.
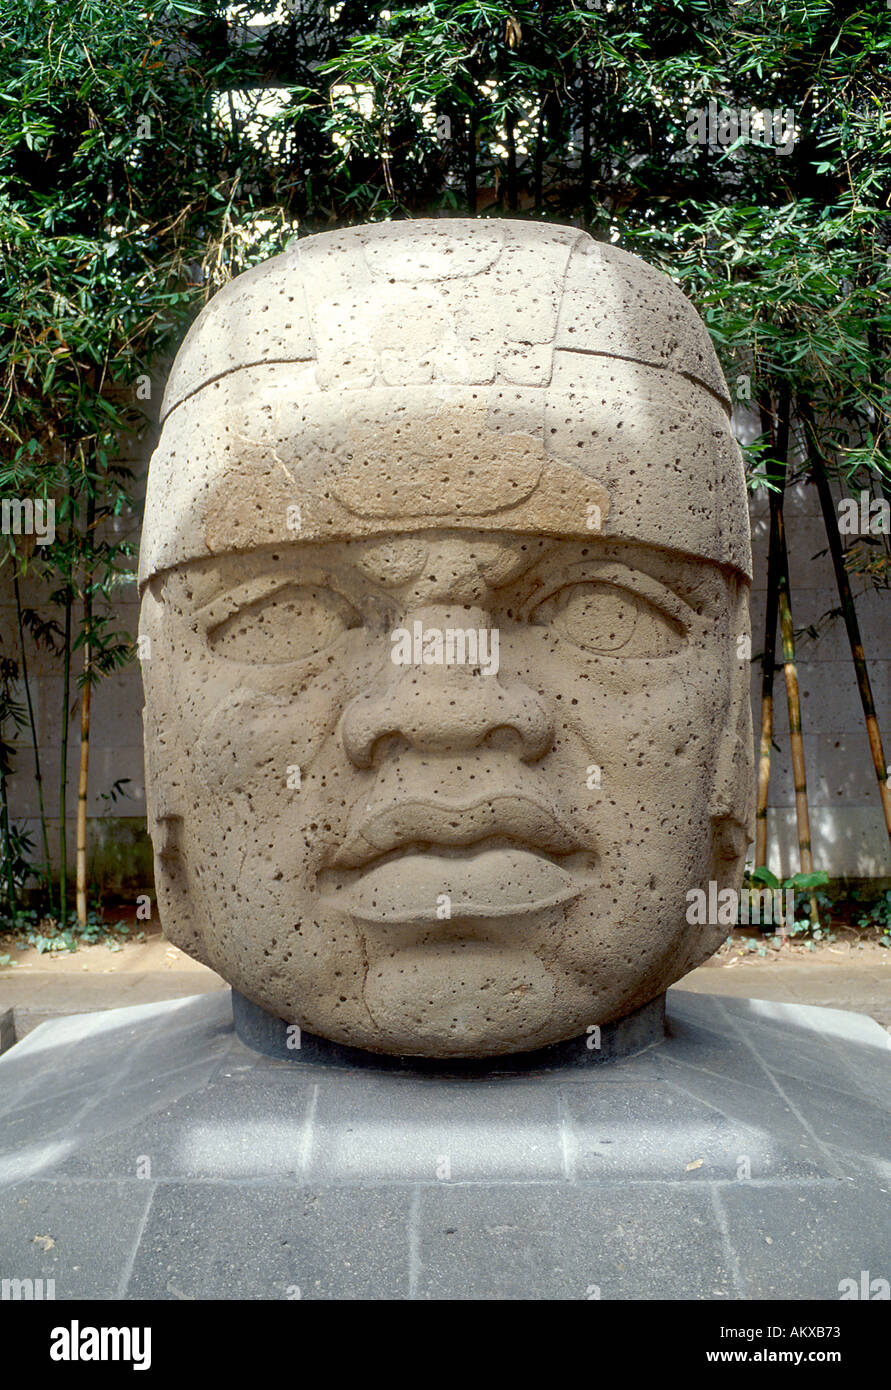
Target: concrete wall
847	829
118	845
848	833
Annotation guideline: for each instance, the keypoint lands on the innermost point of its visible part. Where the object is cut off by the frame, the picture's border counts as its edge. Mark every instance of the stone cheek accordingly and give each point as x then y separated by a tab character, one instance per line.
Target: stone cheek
481	840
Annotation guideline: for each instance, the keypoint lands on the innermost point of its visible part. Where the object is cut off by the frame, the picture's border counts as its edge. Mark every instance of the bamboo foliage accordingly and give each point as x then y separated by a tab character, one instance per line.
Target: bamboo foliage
97	254
126	163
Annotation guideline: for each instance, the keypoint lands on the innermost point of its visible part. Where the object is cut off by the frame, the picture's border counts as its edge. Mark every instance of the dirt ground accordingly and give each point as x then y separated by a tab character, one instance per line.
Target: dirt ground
845	974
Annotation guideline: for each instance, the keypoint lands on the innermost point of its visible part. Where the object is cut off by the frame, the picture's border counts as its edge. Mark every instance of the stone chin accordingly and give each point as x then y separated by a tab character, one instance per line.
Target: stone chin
460	999
527	983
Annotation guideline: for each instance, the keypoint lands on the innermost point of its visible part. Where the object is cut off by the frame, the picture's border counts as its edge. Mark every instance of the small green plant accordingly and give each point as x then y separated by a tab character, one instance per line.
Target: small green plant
803	887
877	916
759	945
28	927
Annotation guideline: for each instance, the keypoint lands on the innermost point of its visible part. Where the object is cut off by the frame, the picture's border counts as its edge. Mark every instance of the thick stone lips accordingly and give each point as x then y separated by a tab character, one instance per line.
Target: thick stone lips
509	812
490	858
420	888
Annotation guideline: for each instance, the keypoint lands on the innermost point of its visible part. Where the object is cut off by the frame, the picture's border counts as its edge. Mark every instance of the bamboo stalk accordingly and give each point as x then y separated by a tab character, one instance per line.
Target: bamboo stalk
849	613
63	771
5	843
586	142
470	192
85	695
83	781
787	633
38	777
5	836
790	671
768	671
510	139
538	172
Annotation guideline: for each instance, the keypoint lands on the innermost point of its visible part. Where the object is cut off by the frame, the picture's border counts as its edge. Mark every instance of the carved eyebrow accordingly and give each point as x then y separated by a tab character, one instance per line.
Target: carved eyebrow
229	601
608	571
522	559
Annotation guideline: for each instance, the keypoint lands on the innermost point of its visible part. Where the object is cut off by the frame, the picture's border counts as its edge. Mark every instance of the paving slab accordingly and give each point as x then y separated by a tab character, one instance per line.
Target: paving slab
146	1153
591	1241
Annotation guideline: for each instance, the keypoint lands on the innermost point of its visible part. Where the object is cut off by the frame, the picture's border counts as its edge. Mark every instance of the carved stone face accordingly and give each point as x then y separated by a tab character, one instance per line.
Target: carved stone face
437	779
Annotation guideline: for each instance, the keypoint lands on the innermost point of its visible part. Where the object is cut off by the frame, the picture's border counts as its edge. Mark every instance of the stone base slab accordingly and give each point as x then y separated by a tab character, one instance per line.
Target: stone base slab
147	1153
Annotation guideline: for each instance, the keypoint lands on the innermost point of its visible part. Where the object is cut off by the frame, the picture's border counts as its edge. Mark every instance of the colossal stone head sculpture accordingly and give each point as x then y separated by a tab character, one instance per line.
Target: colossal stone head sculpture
445	572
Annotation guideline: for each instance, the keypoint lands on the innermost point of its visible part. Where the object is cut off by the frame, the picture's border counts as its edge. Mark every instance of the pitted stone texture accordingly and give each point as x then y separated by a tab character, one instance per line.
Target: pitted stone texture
447	300
615	305
446	688
168	1161
500	321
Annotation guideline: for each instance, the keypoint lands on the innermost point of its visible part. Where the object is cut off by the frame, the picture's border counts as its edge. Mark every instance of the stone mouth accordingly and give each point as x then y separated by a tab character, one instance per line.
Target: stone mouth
416	822
424	884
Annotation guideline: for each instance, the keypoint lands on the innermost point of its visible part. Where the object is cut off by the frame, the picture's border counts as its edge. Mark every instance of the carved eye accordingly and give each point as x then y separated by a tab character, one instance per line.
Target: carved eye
293	623
611	621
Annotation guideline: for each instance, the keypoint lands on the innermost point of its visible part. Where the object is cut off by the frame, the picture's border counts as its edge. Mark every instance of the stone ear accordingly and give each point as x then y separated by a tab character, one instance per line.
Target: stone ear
173	891
161	758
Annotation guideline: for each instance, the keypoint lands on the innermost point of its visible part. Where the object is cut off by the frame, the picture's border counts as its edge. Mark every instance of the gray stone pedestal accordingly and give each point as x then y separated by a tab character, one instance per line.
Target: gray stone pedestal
263	1032
148	1153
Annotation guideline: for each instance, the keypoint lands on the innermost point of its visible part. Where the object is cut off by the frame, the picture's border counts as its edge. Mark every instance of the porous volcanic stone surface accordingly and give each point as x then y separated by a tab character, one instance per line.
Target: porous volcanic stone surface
444	576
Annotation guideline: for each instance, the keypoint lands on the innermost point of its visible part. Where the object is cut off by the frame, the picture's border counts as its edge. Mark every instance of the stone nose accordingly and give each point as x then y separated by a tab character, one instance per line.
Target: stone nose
446	690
